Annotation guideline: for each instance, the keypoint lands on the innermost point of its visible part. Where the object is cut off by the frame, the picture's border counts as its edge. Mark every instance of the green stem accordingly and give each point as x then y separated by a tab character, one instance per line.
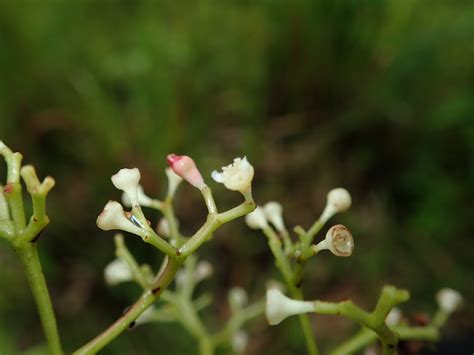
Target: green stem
283	265
146	300
29	257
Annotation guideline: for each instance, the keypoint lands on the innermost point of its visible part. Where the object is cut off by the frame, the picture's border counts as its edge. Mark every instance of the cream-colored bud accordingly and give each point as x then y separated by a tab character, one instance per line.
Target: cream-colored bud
274	212
127	180
148	316
240	340
256	219
237	298
394	317
203	271
143	199
173	181
163	228
338	200
116	272
113	218
236	176
449	300
279	307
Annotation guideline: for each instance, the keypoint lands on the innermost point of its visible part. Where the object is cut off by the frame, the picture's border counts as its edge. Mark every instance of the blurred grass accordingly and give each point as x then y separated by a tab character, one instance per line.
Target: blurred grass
374	96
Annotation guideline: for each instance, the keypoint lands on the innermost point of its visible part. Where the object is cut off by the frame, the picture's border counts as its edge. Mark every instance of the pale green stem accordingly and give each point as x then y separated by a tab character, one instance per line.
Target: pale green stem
146	300
167	210
375	321
284	266
237	320
164	278
209	199
29	257
124	254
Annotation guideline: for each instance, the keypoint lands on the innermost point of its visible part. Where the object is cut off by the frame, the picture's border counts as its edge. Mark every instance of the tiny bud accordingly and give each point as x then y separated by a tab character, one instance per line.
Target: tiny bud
113	217
185	167
237	298
449	300
394	317
279	307
147	316
274	213
127	180
240	340
236	176
338	200
203	271
173	181
116	272
339	240
143	199
163	228
256	219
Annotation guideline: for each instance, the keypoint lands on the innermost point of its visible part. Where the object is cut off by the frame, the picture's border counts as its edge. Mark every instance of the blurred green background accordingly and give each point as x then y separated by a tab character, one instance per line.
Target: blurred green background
376	96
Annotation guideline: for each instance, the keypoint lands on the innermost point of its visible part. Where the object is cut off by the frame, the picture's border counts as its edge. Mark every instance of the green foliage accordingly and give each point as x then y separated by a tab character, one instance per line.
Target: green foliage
372	95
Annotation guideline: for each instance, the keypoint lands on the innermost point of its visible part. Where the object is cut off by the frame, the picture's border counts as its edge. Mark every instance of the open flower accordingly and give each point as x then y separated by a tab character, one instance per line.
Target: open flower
116	272
338	240
279	307
236	176
184	166
113	218
338	200
127	180
274	212
256	219
449	300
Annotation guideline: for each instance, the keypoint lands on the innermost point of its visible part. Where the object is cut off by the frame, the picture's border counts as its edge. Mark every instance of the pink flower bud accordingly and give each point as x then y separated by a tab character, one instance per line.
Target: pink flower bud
185	167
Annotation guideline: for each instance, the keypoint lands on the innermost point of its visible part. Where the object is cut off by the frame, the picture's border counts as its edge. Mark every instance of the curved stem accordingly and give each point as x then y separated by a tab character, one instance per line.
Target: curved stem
29	257
146	300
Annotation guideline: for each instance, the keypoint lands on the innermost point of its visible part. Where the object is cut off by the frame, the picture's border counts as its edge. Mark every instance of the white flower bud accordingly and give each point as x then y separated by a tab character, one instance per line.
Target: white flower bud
203	271
256	219
185	167
116	272
274	213
127	180
240	340
113	217
173	181
147	316
163	228
143	199
338	200
4	212
279	307
236	176
449	300
237	298
394	317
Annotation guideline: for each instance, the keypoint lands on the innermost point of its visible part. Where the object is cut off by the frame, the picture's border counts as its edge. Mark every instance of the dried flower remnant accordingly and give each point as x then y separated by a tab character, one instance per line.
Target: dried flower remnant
338	240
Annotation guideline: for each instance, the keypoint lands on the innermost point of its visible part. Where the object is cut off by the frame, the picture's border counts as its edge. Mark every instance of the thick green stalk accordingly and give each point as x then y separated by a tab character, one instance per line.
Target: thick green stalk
29	257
